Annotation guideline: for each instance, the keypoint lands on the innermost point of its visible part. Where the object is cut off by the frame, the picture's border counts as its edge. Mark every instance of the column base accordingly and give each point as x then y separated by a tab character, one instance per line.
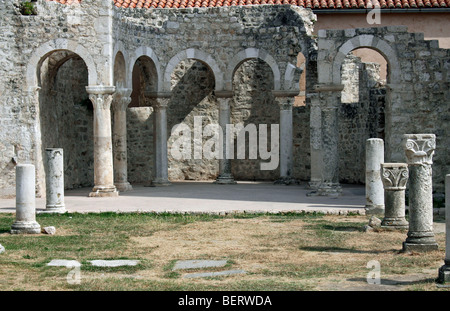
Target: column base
314	184
394	223
124	186
326	189
421	243
158	183
444	275
25	227
374	209
54	209
225	180
104	191
286	181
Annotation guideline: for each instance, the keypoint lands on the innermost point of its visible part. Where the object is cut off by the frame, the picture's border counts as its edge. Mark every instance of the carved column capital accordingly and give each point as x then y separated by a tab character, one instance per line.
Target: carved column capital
419	148
160	103
224	103
122	99
285	103
394	176
101	96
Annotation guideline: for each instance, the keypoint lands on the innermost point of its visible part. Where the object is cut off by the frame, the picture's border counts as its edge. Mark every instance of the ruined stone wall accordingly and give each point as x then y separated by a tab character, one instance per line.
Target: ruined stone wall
26	40
16	117
66	116
215	37
418	85
361	116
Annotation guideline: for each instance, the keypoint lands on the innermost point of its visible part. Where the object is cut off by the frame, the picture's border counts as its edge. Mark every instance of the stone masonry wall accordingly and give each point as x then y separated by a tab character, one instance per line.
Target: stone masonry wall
418	85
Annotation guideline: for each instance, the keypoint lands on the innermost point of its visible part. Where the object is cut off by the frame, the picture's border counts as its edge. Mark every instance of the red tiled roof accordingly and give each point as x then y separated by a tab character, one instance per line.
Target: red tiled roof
313	4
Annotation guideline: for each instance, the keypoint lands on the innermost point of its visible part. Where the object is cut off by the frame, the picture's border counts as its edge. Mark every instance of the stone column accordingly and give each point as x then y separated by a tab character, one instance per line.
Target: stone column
54	180
285	100
225	176
374	185
25	201
419	150
315	127
444	271
394	179
101	97
120	104
161	172
329	99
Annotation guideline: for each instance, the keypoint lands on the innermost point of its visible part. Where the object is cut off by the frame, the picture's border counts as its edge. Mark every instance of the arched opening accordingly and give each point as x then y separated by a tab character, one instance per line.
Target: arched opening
119	71
194	105
253	106
65	115
362	110
140	150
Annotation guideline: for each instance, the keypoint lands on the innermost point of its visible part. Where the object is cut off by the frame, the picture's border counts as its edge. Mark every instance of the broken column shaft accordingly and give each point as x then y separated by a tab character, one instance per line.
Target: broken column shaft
25	201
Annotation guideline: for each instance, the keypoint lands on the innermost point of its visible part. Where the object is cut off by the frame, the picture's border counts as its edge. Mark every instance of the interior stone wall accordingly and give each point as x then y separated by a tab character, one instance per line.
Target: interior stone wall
66	116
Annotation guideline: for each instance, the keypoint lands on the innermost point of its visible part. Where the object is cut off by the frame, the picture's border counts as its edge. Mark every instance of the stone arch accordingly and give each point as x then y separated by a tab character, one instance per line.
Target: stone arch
196	54
139	52
367	41
41	53
250	53
120	69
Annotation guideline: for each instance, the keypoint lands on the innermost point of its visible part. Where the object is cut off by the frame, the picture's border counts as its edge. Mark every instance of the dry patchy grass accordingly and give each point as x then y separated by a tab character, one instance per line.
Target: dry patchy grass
279	252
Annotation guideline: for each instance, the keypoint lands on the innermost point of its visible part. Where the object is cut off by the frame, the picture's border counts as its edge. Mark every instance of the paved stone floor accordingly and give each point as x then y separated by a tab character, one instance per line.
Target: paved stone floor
206	197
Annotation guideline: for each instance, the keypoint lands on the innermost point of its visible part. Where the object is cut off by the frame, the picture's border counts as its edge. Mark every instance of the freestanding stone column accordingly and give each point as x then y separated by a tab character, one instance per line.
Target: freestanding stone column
225	176
394	177
419	150
286	100
120	104
25	201
54	180
444	271
101	97
161	175
374	185
329	99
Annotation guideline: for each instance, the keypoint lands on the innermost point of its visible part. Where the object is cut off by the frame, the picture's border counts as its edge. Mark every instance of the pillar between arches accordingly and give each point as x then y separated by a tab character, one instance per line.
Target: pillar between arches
324	140
120	104
101	98
285	100
224	99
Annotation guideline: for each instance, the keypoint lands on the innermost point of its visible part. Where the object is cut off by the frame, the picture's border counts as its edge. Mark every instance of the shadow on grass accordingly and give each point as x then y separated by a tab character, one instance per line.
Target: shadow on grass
391	282
344	250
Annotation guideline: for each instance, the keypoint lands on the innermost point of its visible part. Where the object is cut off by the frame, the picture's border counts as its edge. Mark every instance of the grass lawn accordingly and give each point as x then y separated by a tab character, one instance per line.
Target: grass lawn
278	252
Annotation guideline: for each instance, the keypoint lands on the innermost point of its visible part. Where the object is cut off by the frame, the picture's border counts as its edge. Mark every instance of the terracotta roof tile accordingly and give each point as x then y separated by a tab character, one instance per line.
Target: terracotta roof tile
314	4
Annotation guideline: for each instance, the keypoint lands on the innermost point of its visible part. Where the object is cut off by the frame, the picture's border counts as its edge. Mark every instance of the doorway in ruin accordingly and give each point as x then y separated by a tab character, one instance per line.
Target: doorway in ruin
364	74
253	106
194	105
66	115
140	133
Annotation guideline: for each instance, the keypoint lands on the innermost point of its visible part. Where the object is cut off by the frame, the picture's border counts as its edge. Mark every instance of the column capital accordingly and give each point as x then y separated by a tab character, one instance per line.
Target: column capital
394	175
160	102
101	96
100	89
285	103
224	103
419	148
122	99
